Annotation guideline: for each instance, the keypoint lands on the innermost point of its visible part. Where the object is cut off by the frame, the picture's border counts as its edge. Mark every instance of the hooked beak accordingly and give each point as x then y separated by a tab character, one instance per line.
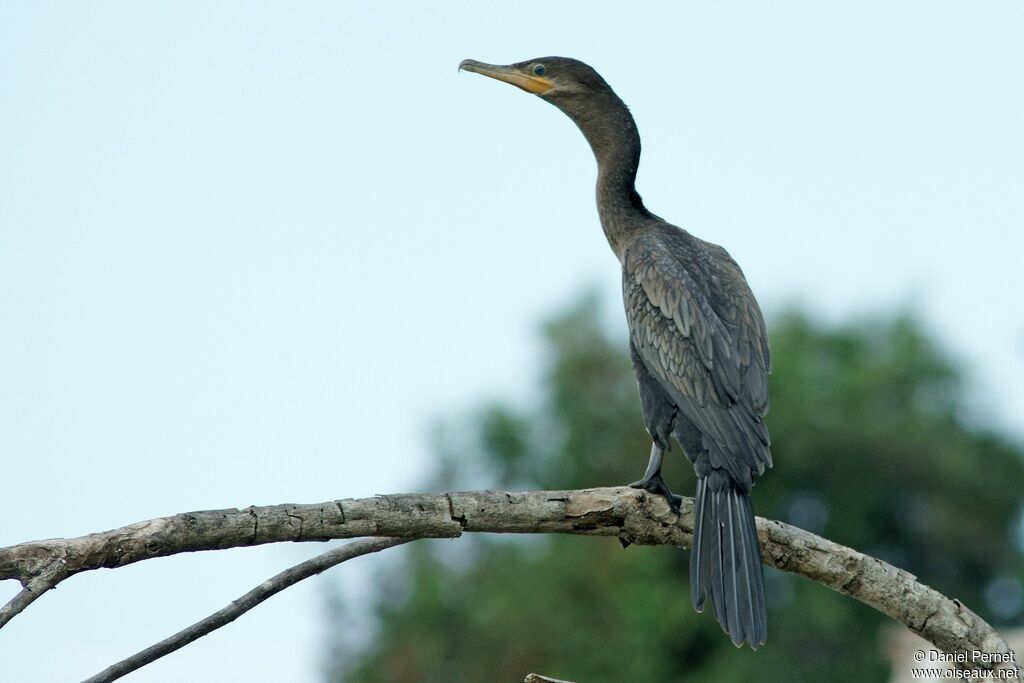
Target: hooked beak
509	74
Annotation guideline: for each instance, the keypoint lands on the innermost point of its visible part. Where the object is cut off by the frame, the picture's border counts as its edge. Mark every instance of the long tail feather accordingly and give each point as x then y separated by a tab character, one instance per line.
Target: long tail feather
725	563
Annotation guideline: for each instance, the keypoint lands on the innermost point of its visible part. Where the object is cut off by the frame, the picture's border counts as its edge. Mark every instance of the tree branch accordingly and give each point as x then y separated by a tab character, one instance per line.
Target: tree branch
631	515
33	588
237	608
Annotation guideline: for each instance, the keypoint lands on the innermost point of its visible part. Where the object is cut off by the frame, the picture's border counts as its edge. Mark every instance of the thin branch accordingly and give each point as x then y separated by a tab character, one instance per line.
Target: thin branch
33	588
237	608
631	515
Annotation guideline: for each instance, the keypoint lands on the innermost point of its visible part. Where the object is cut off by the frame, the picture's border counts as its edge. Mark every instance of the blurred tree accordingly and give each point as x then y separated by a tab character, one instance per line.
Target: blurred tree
872	451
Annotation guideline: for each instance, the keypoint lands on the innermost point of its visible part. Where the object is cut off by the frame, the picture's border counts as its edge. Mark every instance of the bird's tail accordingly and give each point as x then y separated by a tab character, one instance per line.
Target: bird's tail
725	560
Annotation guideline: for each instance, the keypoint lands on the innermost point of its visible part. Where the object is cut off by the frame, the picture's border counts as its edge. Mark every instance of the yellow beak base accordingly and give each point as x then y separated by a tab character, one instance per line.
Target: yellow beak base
536	85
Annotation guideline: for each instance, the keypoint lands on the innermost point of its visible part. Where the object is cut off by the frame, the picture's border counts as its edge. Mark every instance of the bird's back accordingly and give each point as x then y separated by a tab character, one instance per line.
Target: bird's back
700	333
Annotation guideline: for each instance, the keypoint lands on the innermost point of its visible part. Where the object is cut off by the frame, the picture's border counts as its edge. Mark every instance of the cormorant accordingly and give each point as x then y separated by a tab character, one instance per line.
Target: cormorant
697	341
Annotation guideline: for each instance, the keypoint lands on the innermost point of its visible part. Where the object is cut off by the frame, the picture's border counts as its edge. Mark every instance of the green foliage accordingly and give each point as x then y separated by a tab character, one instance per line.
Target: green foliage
872	451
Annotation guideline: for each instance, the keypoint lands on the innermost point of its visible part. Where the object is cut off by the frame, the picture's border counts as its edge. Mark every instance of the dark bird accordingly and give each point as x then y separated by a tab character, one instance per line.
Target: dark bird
698	345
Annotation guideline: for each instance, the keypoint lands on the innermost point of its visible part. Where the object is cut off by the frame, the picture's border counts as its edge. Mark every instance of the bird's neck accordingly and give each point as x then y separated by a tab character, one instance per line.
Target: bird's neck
612	134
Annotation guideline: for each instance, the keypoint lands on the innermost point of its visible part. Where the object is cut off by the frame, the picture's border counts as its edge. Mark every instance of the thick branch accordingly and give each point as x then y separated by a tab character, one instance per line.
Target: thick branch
631	515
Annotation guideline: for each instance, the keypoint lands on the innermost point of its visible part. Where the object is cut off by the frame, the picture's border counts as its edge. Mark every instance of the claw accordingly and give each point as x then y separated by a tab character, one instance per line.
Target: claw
656	485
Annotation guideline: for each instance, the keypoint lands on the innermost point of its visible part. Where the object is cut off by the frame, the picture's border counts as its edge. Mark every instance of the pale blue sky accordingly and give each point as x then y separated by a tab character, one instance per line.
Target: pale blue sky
249	251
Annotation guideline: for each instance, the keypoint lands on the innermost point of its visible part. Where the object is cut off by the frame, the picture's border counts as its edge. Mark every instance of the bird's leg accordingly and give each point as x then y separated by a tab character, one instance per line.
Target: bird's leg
653	482
653	468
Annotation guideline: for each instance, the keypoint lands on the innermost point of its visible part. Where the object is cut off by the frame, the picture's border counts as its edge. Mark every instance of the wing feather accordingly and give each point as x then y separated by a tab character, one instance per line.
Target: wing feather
700	334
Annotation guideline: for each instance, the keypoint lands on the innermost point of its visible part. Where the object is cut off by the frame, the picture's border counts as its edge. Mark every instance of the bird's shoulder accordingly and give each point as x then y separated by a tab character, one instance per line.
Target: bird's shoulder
661	255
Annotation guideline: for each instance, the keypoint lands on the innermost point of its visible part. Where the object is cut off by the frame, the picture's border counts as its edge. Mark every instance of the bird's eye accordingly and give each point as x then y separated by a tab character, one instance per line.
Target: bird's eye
539	70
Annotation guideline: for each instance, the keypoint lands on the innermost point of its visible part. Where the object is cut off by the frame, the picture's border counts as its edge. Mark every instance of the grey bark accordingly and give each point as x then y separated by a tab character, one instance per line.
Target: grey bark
631	515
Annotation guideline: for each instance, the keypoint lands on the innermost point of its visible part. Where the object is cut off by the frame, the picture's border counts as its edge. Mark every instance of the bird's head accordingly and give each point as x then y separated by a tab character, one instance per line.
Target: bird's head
559	80
584	97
